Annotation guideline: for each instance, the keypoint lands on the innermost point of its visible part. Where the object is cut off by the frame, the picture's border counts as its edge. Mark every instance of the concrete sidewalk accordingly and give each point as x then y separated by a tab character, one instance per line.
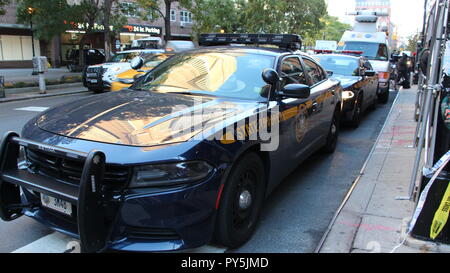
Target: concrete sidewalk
33	92
24	74
372	219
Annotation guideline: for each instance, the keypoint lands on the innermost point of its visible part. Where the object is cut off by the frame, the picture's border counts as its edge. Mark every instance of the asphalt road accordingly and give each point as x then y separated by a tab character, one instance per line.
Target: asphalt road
294	217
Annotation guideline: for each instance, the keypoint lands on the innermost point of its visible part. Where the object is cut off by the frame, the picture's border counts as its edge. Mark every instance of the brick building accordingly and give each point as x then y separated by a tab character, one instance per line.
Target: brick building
16	46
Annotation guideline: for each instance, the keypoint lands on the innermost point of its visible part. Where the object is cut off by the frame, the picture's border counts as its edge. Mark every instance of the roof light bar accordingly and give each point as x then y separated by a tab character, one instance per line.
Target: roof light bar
283	41
349	52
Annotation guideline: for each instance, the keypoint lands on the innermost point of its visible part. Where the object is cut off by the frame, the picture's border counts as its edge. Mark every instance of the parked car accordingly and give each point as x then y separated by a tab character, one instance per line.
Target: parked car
91	57
99	77
179	159
359	82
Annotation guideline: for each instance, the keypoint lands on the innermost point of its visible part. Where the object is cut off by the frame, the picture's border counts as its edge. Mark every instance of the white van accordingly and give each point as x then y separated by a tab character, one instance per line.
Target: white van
374	46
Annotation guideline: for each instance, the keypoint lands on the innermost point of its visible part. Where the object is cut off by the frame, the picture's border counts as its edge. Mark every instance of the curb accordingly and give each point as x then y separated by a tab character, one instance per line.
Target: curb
38	96
36	88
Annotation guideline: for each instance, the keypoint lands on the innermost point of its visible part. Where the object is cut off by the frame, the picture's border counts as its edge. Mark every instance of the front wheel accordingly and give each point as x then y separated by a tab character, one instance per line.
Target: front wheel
357	112
241	202
333	135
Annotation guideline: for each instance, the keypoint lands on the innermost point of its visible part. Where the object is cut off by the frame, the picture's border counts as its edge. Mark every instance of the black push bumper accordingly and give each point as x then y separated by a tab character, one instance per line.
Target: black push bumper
88	197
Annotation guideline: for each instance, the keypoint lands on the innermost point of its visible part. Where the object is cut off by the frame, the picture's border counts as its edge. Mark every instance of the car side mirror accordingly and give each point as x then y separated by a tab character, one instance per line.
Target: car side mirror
137	76
137	63
270	76
298	91
369	73
330	73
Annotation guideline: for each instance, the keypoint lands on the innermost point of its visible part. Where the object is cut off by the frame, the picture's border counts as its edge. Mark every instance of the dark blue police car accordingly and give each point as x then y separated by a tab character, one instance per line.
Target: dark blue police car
122	171
359	82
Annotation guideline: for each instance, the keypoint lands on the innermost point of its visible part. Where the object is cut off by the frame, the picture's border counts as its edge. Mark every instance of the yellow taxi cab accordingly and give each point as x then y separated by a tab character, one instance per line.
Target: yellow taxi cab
127	78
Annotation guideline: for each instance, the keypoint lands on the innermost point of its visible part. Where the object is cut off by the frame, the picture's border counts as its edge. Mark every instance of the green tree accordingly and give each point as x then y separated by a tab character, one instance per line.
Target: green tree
215	15
48	16
333	29
412	42
151	10
304	17
3	3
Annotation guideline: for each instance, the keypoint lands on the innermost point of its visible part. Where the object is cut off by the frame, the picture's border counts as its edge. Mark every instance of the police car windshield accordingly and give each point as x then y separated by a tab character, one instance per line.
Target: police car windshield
372	51
222	74
340	65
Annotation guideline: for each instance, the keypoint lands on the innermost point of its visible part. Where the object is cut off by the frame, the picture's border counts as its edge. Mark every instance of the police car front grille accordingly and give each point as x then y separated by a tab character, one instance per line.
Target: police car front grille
70	170
94	69
157	234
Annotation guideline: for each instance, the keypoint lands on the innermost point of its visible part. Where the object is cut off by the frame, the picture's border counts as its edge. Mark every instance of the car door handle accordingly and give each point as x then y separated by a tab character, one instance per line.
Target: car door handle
315	106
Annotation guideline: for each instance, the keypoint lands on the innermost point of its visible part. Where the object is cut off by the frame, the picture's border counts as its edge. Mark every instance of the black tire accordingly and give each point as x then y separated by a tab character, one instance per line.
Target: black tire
384	97
374	104
96	91
357	113
333	134
241	202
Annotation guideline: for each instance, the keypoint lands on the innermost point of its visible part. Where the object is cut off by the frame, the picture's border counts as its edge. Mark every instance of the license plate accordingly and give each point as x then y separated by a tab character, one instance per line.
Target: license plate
93	81
91	75
56	204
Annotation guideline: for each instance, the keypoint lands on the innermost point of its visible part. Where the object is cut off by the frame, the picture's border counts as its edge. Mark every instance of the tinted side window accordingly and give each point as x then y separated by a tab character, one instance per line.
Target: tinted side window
382	52
292	72
367	65
314	71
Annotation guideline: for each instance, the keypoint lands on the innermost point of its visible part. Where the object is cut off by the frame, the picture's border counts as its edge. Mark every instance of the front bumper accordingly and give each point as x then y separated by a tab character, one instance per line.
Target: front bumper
130	220
383	87
117	86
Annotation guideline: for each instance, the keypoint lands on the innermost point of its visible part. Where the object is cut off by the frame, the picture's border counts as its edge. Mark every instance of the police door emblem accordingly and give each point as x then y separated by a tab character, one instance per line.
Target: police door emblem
300	126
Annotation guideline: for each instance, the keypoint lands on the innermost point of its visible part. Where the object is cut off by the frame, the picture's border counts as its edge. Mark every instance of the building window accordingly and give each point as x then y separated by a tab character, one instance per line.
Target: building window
185	16
17	48
173	15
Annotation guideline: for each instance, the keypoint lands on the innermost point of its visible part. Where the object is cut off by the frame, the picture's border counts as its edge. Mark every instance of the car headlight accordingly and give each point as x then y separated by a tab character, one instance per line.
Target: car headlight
170	174
346	95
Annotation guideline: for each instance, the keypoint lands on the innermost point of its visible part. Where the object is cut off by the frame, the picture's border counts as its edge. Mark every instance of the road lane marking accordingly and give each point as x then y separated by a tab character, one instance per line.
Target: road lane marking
57	242
32	109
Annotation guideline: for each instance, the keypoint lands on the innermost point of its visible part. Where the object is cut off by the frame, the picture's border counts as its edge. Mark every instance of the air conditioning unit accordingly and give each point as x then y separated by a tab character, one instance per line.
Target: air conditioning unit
182	24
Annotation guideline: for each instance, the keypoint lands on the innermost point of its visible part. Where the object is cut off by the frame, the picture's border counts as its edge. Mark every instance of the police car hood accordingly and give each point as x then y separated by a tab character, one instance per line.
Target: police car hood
141	118
347	81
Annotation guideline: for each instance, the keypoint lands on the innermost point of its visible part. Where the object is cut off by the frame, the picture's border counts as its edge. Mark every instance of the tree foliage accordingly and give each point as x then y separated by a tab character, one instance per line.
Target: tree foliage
412	42
332	30
3	3
304	17
48	16
151	10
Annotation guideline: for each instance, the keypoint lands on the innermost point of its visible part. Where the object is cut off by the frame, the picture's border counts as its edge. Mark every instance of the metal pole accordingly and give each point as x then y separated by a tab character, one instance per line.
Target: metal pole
32	34
412	185
432	80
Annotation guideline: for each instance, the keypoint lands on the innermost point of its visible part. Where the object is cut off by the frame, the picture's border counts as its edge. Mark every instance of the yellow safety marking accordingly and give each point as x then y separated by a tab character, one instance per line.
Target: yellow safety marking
441	216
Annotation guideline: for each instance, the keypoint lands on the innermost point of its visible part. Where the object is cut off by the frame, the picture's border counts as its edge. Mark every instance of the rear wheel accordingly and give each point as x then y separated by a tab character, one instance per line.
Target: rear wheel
241	202
384	97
